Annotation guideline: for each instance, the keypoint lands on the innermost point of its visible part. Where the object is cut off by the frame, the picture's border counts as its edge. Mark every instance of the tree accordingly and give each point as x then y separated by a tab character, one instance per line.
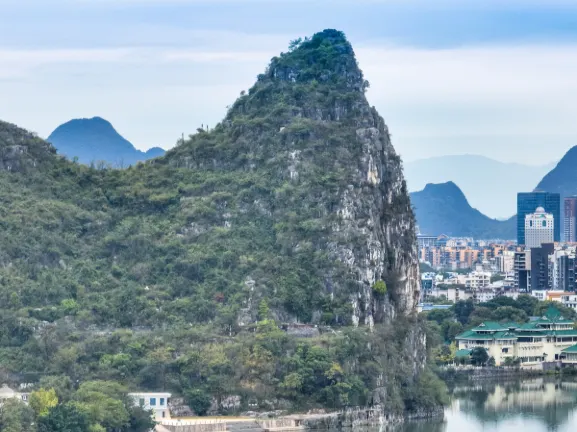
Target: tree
380	287
491	361
509	313
61	384
439	315
479	356
295	43
542	308
140	420
511	361
451	329
198	400
15	416
104	403
64	418
263	310
42	400
527	303
463	309
479	315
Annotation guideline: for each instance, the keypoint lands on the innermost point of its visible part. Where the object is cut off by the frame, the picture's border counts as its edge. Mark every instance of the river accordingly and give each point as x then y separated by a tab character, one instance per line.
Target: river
536	405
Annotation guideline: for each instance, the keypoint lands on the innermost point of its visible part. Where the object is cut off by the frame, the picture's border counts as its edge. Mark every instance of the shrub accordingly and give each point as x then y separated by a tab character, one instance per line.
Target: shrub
380	287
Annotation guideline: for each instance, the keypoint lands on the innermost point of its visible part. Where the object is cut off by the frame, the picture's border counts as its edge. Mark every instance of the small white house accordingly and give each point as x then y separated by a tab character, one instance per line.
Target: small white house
157	402
7	393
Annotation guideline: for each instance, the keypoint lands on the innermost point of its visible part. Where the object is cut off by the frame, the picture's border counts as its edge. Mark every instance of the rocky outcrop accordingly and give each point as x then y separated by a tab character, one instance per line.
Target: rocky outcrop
334	184
21	150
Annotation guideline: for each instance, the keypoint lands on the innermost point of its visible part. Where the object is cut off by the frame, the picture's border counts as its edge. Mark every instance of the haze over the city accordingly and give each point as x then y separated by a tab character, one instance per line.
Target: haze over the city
450	77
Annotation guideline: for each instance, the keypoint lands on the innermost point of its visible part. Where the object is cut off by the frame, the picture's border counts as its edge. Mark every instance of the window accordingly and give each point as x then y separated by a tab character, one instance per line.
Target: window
152	401
161	402
141	402
163	413
544	223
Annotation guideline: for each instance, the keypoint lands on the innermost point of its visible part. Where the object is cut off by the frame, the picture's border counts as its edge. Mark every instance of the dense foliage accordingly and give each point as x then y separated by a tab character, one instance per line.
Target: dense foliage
178	274
96	406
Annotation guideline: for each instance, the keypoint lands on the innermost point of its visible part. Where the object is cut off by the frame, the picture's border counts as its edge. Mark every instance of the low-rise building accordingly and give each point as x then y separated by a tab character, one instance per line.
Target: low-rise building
532	343
155	402
569	300
569	355
478	279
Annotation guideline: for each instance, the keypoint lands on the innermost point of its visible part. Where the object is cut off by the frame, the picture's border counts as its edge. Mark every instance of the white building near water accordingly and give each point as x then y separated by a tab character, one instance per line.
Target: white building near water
157	402
539	228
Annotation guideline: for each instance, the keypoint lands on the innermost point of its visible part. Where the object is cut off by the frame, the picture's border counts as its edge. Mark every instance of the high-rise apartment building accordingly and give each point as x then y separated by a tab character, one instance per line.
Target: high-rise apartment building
570	219
522	266
527	202
540	278
539	228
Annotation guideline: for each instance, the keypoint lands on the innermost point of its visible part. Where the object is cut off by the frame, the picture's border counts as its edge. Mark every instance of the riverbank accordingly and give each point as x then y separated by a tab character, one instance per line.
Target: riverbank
348	419
488	373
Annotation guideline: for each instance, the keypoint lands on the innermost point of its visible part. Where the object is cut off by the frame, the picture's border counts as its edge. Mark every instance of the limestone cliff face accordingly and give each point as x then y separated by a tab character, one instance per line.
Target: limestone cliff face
335	194
21	150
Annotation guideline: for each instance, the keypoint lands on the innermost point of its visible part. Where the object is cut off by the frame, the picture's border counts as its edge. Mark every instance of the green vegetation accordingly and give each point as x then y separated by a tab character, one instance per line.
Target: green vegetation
380	287
178	274
95	406
445	324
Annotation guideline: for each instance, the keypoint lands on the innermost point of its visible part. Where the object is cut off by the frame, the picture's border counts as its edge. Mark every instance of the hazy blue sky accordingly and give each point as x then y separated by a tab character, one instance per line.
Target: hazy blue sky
494	77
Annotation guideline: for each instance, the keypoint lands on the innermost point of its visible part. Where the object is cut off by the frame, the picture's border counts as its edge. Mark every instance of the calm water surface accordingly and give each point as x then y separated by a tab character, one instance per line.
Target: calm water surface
536	405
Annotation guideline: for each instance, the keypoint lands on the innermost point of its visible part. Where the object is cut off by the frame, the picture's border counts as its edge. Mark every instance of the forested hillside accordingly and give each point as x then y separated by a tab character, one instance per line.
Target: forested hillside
177	274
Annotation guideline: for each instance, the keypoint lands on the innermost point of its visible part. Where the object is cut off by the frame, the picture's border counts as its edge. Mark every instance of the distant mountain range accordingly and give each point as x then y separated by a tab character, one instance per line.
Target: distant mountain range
444	209
490	185
563	177
95	140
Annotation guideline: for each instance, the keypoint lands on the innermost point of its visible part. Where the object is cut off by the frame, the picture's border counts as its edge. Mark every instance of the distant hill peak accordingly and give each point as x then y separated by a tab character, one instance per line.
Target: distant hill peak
95	139
502	200
443	208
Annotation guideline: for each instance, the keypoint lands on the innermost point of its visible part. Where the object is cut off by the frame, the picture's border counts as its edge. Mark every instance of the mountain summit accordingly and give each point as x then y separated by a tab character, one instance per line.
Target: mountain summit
505	181
444	209
324	176
293	210
95	140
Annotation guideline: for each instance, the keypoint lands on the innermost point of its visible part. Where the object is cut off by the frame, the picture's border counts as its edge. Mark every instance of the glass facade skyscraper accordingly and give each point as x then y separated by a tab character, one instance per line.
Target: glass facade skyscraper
527	202
570	220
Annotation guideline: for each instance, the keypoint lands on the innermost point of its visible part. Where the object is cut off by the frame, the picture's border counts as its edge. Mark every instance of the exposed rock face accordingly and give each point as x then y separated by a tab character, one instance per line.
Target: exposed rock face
335	184
21	150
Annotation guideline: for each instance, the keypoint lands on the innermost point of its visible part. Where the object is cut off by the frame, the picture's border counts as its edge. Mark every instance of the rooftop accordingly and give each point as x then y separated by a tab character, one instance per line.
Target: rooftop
571	349
463	353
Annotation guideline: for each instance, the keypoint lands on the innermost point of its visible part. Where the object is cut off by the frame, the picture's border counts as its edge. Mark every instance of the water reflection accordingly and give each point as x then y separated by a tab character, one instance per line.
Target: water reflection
544	404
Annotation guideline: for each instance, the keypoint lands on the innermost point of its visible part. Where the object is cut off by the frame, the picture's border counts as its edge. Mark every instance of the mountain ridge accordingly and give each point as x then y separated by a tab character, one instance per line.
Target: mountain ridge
444	209
504	180
92	140
562	178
